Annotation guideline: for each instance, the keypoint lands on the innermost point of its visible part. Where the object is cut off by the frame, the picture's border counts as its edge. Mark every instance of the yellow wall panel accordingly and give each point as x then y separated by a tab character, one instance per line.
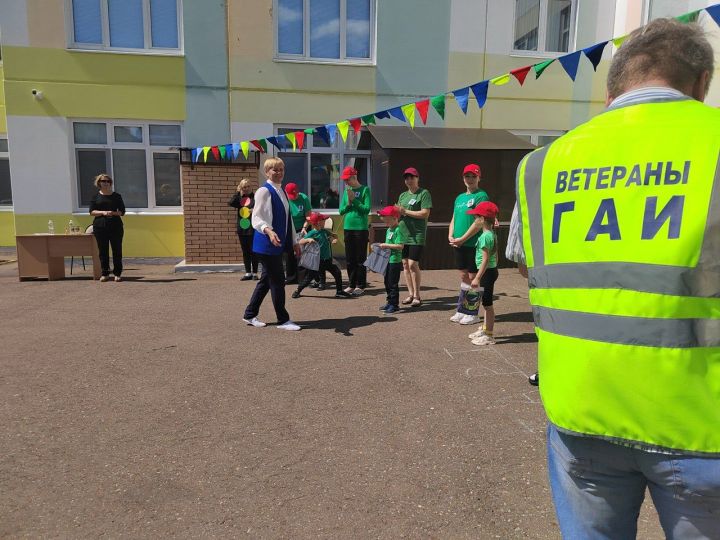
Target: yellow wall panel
7	229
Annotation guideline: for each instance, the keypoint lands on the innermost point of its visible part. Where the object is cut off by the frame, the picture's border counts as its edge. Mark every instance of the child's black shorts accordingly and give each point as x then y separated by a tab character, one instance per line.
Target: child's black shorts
487	282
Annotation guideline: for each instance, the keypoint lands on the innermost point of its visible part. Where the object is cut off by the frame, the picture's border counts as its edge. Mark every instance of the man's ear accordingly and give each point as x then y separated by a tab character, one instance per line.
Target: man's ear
700	88
608	98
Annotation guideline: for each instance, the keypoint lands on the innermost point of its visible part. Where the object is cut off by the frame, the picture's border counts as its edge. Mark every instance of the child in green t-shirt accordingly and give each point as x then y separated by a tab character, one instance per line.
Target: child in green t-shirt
395	239
486	260
323	238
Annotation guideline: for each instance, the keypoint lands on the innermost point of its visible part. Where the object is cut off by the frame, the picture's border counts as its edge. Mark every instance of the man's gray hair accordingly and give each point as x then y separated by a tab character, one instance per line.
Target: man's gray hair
663	49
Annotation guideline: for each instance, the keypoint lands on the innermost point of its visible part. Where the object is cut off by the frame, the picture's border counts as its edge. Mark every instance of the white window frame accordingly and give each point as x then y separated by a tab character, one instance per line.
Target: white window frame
105	21
535	134
310	149
306	58
6	155
110	125
542	32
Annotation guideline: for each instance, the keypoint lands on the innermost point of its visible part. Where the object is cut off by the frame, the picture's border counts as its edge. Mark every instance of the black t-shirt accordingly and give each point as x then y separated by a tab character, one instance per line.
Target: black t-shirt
112	202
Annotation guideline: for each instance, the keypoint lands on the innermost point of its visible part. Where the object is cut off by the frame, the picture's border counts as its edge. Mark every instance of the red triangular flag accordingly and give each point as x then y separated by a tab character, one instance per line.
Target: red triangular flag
300	139
520	73
422	108
355	123
256	144
216	152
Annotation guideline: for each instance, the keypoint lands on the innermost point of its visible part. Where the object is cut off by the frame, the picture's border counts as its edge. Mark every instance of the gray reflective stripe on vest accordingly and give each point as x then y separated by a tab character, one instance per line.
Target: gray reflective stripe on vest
532	184
661	333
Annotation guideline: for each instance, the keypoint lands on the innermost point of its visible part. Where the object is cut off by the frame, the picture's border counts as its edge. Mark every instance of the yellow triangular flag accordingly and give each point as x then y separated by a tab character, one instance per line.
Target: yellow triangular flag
343	128
502	79
619	41
409	112
206	149
245	146
291	137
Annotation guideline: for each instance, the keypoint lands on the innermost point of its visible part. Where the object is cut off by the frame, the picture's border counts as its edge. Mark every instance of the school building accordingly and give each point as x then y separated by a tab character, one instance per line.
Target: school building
118	86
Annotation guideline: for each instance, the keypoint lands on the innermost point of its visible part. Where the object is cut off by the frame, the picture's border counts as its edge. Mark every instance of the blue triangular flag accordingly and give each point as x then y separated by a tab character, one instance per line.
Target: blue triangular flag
480	90
382	114
714	12
324	135
283	142
195	154
235	150
594	53
228	152
396	112
461	97
332	132
274	142
570	63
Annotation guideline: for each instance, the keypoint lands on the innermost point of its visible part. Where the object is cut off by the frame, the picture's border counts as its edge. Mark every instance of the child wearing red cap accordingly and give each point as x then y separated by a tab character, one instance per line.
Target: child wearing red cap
395	239
323	238
486	260
355	206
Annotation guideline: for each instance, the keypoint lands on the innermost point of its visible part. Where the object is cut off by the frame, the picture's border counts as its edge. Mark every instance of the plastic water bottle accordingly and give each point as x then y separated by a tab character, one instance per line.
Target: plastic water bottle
71	227
51	227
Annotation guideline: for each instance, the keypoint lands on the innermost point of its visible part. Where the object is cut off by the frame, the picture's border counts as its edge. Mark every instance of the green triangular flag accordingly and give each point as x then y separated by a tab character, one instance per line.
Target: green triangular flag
438	103
222	151
263	143
688	17
309	131
619	41
539	68
369	119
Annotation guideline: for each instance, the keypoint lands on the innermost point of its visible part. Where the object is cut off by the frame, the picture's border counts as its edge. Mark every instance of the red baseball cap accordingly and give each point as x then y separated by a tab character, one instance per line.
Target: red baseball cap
316	217
485	209
411	171
389	211
348	172
292	191
472	169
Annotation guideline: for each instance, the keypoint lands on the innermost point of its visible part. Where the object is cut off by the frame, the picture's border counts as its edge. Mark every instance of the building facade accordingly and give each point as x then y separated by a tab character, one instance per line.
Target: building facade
118	85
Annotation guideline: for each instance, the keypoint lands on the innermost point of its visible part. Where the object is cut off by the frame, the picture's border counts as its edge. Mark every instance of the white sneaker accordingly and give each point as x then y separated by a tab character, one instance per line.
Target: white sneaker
255	322
289	325
457	316
484	340
469	319
104	278
480	332
349	290
358	291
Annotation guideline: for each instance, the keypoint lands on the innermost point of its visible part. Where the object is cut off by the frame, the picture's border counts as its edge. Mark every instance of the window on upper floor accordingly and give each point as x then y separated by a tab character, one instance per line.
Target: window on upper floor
5	188
544	26
127	25
336	31
141	157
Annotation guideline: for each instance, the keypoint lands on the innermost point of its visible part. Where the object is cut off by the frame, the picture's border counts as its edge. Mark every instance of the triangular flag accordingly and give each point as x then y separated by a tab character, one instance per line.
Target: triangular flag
480	90
542	66
309	131
409	112
215	152
461	97
196	154
396	112
291	138
570	63
594	53
323	133
520	73
332	132
235	150
619	41
245	146
205	151
382	114
274	142
260	144
714	12
688	17
343	128
422	108
223	151
438	103
502	79
300	139
368	119
355	123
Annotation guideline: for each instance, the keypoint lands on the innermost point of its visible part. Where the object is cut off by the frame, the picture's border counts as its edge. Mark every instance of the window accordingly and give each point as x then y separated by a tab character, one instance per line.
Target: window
316	169
5	189
325	30
544	26
126	24
653	9
138	155
538	137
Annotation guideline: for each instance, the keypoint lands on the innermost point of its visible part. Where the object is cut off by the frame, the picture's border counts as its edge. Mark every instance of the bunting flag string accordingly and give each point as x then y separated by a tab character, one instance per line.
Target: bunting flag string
406	113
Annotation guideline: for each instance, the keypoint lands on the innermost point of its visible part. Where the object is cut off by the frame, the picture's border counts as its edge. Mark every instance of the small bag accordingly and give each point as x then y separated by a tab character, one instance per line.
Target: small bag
469	300
377	260
310	257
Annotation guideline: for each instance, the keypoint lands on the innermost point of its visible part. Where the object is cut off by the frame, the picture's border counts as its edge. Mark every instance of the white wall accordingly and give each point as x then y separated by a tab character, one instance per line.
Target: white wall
13	23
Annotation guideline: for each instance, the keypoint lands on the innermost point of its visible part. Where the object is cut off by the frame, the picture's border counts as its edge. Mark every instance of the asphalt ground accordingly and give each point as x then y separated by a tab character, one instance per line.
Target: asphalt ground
147	409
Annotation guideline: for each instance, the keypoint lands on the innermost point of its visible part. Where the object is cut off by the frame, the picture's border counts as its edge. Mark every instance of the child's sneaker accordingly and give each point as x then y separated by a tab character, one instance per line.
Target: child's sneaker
358	291
321	287
483	340
246	277
469	319
457	316
342	294
384	307
295	294
478	333
392	309
313	284
348	290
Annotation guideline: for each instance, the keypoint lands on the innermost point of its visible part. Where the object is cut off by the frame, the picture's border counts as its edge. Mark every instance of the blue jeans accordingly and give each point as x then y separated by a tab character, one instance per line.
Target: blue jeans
598	488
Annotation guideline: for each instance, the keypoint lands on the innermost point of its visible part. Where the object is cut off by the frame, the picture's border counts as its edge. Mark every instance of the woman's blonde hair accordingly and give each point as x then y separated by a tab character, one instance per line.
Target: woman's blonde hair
244	182
102	176
272	162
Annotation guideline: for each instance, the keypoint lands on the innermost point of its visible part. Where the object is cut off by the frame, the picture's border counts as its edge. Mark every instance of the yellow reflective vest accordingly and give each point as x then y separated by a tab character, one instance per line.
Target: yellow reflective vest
620	222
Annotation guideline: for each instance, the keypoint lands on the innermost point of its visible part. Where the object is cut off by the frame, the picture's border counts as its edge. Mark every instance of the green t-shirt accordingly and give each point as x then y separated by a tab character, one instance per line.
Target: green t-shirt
461	220
356	213
299	209
486	240
323	239
416	227
396	235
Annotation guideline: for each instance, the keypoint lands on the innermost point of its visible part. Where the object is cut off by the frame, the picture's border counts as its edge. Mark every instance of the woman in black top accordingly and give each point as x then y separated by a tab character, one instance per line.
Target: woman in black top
107	207
244	201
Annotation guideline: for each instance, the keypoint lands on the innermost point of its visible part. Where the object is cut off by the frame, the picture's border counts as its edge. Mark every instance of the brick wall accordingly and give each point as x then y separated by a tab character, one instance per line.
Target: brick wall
210	224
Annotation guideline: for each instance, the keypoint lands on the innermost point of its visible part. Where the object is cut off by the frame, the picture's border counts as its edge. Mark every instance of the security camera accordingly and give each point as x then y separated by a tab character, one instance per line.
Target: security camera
37	94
